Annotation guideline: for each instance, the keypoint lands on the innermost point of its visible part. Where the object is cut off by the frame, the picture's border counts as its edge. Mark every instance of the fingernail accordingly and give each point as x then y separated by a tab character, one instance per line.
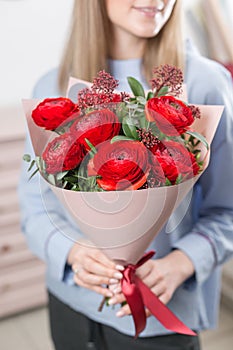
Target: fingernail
111	287
118	275
120	313
113	281
120	267
109	294
116	290
112	301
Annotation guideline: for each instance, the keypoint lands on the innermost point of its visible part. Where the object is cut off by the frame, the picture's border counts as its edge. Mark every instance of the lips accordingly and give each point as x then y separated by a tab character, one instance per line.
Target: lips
147	11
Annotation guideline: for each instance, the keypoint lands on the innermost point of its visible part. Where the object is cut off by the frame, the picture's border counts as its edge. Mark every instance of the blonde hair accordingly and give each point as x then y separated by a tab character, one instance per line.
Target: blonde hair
88	46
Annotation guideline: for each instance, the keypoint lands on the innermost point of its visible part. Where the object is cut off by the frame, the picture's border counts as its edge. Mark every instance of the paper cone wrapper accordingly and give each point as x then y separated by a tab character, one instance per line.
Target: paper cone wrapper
123	223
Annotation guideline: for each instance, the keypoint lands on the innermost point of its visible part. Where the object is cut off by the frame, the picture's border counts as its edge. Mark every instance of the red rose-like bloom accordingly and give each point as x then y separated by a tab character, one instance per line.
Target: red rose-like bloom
63	153
121	165
176	160
97	126
52	112
171	116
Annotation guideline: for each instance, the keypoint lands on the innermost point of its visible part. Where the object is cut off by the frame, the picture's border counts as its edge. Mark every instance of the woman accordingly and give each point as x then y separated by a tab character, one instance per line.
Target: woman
129	38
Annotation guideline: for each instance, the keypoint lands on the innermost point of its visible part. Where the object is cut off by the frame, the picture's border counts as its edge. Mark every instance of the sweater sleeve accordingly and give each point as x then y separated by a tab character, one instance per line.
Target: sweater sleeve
49	231
210	241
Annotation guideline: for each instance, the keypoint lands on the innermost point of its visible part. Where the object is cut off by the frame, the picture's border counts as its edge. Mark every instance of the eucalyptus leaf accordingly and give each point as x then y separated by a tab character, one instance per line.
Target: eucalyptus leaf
27	158
136	87
132	105
141	100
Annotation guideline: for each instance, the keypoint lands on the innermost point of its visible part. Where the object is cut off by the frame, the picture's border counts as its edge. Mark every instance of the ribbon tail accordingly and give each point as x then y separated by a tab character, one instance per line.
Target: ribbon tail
161	311
135	302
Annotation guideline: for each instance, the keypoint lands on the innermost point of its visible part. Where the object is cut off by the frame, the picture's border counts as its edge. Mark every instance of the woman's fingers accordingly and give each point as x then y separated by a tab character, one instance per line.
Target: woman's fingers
96	288
125	311
93	269
99	268
93	277
116	299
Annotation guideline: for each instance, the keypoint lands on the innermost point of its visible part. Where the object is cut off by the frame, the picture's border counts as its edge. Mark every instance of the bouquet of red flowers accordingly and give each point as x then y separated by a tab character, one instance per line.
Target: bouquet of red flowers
110	141
97	152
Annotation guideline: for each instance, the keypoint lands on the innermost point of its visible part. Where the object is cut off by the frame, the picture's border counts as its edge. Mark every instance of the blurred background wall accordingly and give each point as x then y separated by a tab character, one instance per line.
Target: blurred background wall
32	35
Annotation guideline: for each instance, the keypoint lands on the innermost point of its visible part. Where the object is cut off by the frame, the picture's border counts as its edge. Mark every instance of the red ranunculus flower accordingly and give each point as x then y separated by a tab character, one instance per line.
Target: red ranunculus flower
96	126
52	112
63	153
176	160
121	165
171	116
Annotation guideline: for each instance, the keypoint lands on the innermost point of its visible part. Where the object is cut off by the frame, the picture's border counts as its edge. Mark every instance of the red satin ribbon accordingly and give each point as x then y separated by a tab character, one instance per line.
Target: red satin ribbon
138	295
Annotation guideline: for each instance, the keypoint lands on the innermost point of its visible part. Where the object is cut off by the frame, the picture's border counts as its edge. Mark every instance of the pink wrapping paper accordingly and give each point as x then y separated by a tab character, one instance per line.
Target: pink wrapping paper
123	223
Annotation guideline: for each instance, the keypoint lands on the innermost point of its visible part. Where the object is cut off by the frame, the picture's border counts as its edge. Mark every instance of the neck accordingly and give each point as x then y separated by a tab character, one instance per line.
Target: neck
125	46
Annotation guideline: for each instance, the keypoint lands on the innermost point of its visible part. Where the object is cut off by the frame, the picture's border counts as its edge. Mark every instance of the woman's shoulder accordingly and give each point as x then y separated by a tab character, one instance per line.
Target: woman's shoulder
206	78
200	67
47	85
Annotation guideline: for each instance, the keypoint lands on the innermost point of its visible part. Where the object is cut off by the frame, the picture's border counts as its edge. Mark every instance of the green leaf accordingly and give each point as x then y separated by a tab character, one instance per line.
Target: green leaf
163	91
149	95
93	149
136	87
197	154
199	137
144	123
34	173
141	100
59	176
168	182
64	184
31	165
40	164
121	110
51	179
129	129
179	179
27	158
121	138
71	179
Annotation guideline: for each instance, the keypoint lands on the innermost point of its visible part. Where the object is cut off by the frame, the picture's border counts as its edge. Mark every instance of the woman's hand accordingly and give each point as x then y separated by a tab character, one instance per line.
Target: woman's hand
92	269
162	276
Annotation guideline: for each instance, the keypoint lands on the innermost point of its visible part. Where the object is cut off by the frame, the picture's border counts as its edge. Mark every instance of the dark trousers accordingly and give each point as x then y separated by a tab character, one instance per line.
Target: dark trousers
73	331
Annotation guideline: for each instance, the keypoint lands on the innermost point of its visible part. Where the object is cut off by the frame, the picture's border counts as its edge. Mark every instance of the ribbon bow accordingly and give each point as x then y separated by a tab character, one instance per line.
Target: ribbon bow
138	295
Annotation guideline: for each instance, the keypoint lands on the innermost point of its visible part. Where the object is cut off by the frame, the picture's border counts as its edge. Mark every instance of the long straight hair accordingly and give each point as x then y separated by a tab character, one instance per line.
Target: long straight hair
88	47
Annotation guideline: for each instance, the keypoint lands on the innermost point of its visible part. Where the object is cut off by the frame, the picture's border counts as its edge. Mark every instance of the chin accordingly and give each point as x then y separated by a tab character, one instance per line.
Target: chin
146	32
